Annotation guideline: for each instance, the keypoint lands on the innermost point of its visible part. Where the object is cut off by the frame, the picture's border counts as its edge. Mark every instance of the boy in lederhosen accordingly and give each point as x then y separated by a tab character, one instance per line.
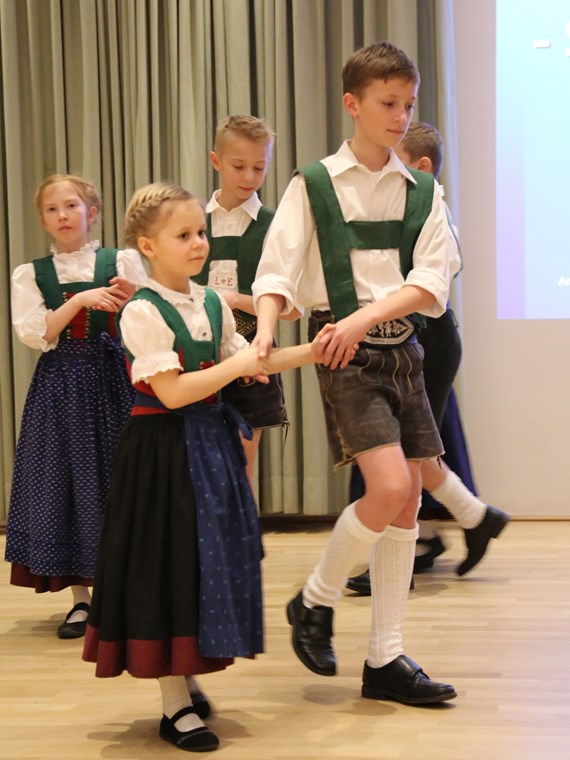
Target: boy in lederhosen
365	243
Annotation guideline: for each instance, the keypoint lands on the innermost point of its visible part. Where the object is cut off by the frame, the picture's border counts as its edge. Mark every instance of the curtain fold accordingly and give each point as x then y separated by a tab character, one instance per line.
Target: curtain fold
126	92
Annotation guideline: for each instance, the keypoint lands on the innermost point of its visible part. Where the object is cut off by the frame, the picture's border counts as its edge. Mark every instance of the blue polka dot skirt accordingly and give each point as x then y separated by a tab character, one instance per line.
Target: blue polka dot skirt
79	400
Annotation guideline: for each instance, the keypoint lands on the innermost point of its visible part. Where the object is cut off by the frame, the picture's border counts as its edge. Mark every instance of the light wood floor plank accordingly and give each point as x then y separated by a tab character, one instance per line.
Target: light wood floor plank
501	635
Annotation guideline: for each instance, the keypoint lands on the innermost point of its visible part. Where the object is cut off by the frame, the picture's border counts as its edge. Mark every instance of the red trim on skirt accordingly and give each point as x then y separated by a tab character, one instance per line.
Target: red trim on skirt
177	656
20	575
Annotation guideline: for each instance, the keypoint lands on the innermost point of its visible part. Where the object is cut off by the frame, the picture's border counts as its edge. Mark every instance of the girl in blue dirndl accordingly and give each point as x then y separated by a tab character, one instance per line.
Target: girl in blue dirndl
78	401
178	580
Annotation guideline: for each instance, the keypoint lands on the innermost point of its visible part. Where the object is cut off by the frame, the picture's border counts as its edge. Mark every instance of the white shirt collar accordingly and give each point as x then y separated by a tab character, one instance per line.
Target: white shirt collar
251	206
344	159
89	247
195	297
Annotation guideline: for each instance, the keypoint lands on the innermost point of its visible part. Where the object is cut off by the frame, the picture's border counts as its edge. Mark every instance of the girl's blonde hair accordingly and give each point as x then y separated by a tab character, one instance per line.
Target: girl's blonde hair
147	207
85	190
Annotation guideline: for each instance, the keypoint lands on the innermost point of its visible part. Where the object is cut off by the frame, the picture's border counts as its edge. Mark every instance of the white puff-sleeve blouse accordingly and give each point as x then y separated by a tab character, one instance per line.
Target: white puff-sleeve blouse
29	310
149	339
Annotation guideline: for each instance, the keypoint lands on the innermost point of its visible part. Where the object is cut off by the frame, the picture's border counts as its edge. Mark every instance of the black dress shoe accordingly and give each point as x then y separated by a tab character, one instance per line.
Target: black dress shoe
477	539
404	681
197	740
423	562
200	704
74	630
360	584
311	635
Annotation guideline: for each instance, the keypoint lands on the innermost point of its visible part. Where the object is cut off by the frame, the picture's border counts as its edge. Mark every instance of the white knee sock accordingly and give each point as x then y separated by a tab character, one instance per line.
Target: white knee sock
174	697
391	564
467	509
341	552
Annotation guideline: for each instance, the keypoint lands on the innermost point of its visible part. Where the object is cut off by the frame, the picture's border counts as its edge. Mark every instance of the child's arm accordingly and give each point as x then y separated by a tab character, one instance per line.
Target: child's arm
176	390
269	307
107	299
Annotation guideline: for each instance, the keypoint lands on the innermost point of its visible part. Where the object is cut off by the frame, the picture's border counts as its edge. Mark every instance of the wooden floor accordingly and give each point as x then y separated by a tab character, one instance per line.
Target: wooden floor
501	635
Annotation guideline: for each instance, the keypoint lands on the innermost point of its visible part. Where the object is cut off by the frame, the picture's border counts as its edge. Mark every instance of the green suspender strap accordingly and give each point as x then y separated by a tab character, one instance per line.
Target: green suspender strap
245	249
105	270
47	282
193	351
337	237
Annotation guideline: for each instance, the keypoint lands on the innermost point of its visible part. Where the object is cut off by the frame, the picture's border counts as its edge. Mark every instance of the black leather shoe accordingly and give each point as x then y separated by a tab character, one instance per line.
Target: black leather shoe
423	562
197	740
360	584
311	635
74	630
404	681
200	704
477	539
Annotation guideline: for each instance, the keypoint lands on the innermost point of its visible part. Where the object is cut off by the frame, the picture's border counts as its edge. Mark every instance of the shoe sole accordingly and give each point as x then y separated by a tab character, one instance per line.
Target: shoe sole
300	654
380	694
203	748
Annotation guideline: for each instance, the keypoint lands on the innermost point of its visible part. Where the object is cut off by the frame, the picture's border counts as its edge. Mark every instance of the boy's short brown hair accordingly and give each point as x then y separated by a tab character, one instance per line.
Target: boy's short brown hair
381	60
423	139
243	125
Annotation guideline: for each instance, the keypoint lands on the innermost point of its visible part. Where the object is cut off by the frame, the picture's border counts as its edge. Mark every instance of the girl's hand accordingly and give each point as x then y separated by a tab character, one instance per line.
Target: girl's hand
248	364
127	287
111	298
323	346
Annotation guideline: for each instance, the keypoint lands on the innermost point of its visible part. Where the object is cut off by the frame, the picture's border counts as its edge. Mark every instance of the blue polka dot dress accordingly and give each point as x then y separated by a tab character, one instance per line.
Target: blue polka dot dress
79	399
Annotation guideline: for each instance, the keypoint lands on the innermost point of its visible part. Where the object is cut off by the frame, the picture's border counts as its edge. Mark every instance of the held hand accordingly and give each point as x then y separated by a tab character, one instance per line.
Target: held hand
248	364
336	344
127	288
105	299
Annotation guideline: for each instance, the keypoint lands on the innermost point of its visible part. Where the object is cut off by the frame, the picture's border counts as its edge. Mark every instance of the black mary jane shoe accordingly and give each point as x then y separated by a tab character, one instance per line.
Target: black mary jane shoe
200	704
74	630
311	635
404	681
197	740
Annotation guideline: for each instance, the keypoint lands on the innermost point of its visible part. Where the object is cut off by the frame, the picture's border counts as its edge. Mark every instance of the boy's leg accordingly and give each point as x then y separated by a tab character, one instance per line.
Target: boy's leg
360	525
480	521
388	673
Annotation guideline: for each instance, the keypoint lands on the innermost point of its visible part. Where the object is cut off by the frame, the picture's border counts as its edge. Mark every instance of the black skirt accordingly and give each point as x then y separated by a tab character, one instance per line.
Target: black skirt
144	614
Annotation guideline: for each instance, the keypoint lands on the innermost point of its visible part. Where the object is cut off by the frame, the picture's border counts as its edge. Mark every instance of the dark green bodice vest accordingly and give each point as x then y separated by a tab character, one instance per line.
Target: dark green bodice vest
53	291
193	353
245	249
337	237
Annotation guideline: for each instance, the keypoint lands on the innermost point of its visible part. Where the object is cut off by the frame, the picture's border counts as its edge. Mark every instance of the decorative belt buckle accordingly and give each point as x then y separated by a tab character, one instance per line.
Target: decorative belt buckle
390	333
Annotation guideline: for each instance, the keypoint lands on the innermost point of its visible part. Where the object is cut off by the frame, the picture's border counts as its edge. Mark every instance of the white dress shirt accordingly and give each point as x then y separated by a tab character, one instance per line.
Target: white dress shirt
149	339
29	310
291	263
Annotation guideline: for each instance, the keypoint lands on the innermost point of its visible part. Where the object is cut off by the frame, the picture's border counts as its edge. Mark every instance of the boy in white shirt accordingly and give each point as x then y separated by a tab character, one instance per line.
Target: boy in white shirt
365	243
237	224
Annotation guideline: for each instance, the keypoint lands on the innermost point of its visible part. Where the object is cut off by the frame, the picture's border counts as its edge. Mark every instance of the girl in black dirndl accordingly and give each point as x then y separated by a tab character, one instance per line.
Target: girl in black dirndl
178	580
78	401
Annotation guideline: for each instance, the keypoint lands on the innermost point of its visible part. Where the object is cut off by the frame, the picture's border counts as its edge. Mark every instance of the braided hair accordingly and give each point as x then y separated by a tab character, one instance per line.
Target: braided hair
147	208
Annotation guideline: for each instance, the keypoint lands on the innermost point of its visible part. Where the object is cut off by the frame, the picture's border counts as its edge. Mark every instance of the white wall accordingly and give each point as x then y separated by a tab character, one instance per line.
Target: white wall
516	373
